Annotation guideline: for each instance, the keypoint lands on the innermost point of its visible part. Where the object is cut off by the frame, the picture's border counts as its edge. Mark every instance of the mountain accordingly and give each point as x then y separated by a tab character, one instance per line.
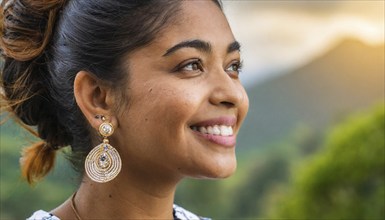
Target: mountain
348	78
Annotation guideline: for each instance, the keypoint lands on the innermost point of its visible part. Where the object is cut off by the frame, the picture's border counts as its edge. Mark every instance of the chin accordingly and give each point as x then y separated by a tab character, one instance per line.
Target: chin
221	170
226	173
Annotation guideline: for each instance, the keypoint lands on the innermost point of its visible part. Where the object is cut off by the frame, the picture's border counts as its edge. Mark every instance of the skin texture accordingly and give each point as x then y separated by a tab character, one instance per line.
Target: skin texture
166	95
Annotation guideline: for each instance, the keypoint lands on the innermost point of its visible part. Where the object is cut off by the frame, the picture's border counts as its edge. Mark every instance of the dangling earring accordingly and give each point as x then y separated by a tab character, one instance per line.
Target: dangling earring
103	163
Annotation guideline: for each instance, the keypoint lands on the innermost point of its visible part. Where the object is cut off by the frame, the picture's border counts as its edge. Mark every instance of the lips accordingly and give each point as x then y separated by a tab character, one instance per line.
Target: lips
217	130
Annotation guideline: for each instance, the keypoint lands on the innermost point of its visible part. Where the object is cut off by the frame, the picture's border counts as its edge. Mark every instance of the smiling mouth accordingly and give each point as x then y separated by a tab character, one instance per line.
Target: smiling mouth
217	130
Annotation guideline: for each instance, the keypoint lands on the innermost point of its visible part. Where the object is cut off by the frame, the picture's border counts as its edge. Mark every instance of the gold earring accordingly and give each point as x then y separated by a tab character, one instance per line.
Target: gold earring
103	162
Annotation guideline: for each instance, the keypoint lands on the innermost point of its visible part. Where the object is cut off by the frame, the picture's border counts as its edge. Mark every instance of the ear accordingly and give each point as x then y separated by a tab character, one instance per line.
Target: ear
93	98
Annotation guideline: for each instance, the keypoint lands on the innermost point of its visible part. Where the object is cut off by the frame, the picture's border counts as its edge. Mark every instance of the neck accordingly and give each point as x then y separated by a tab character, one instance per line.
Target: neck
123	198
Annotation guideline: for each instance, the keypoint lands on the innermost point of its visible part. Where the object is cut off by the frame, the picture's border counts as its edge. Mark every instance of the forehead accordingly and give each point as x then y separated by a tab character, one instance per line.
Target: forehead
199	19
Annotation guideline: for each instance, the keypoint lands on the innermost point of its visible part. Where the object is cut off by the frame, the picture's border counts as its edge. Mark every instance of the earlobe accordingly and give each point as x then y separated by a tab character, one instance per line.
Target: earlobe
91	97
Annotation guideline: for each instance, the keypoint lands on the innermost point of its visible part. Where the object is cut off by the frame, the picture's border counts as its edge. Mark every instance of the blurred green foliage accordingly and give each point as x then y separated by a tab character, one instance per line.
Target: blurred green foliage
302	176
17	199
345	179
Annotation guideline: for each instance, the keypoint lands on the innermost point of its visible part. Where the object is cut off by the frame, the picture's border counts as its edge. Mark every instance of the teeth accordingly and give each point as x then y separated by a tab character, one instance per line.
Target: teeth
203	130
221	130
216	130
226	130
210	130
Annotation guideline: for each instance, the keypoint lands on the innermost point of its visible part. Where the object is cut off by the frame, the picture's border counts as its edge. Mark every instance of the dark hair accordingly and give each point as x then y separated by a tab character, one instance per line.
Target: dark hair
45	43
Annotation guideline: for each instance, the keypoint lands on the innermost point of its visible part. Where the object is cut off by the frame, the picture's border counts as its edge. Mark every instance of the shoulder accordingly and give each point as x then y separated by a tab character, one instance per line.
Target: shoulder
42	215
182	214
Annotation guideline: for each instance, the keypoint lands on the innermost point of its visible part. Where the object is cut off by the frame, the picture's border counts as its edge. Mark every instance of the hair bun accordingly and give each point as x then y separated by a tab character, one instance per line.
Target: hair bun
27	27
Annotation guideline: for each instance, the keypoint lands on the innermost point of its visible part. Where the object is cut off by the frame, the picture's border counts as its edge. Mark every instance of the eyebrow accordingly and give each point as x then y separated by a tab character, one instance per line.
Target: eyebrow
200	45
197	44
235	46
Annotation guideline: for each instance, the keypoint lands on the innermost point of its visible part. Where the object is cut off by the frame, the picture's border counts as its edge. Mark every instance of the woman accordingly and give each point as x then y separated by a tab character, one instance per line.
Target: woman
145	93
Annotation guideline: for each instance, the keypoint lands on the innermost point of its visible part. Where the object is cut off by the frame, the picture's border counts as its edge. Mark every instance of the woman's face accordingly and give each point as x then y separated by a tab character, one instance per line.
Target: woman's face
186	103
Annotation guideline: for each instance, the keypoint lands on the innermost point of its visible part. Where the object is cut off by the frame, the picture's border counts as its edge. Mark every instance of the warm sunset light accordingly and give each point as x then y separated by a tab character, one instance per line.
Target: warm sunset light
149	112
281	35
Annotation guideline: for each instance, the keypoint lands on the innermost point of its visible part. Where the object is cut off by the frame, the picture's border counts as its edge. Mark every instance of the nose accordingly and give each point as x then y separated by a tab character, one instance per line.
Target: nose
227	91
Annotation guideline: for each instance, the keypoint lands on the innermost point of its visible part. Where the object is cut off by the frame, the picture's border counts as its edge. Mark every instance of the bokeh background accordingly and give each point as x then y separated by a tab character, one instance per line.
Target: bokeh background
312	146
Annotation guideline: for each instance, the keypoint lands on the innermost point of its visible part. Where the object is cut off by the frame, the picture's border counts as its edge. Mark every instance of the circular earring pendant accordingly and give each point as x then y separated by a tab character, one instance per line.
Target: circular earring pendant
103	163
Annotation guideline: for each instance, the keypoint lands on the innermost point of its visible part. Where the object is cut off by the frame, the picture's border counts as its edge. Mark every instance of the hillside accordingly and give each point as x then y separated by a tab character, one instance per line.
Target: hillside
348	78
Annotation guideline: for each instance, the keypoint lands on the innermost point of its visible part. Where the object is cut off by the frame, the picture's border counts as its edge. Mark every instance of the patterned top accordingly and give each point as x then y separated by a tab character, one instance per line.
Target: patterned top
179	213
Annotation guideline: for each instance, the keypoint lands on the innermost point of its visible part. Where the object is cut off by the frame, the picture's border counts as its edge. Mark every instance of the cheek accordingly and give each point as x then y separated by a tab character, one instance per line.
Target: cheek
172	107
160	111
243	107
245	102
155	125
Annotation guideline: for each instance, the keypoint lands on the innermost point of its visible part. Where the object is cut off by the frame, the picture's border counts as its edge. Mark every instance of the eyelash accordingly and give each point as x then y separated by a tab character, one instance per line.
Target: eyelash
238	64
182	67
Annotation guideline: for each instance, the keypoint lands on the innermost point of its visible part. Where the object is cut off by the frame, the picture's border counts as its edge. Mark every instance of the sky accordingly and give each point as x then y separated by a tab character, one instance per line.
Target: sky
277	36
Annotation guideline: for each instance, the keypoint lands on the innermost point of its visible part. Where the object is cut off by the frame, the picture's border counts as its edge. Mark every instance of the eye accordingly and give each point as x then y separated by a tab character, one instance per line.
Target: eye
235	67
191	67
195	65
